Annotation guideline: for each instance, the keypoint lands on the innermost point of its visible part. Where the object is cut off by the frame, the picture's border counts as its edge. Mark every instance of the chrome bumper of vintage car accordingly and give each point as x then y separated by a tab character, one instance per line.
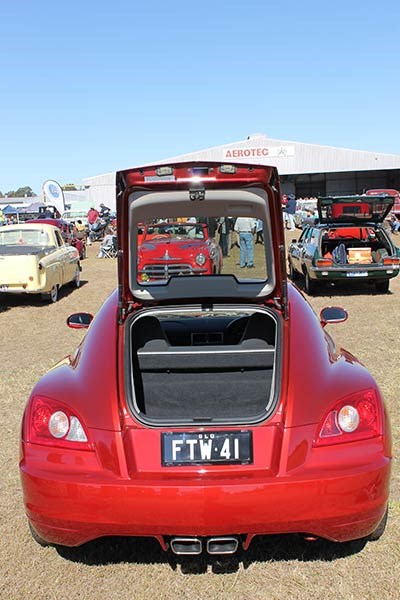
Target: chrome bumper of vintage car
19	288
363	271
164	271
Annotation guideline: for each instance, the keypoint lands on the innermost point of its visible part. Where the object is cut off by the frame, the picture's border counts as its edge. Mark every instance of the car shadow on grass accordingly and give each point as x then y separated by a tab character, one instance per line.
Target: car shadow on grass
332	290
273	548
9	301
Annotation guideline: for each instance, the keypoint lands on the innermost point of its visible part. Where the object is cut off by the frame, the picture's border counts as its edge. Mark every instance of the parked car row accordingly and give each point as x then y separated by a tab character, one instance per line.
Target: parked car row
347	244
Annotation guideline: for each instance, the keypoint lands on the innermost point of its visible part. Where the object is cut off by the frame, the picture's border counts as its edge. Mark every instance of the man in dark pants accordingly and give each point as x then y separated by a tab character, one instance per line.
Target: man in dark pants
223	230
290	210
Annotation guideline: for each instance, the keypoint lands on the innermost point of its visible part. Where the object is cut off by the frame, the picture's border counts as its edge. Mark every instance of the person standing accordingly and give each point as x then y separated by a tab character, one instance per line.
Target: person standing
260	232
223	230
290	210
245	227
92	216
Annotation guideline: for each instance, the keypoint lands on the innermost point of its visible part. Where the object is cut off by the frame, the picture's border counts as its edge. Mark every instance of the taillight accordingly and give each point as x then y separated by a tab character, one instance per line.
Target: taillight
391	261
324	262
52	423
356	417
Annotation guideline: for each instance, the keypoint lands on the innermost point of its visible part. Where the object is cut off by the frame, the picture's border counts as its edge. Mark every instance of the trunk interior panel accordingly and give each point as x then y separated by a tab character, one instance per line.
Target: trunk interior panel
202	367
357	238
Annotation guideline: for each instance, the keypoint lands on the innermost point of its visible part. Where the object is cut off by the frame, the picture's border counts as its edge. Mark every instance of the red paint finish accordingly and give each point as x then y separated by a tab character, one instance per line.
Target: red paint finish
115	485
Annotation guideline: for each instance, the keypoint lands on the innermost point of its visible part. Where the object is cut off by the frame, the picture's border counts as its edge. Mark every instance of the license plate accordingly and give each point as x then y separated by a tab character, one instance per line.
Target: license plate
357	273
219	447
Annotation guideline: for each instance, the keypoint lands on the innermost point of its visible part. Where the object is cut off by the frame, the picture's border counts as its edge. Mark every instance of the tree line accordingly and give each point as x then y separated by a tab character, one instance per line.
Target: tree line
21	192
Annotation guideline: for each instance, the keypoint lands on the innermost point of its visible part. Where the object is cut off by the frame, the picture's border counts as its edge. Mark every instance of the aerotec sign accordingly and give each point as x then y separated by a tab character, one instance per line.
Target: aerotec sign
260	152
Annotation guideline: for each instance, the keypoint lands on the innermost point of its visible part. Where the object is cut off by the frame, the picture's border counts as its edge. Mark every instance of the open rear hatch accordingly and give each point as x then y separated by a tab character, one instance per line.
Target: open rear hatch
354	209
205	193
200	348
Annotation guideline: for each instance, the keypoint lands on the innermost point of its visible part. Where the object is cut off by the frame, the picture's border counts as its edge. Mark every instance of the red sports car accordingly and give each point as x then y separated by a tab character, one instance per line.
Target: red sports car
204	411
173	248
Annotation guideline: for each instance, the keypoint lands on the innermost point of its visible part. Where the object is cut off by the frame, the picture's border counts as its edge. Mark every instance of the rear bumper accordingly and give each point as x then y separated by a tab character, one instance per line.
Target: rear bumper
20	289
340	274
339	508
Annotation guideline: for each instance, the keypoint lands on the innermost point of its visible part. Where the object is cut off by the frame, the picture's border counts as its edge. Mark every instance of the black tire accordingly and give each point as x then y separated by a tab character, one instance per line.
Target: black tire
51	296
37	537
76	282
380	530
382	287
309	284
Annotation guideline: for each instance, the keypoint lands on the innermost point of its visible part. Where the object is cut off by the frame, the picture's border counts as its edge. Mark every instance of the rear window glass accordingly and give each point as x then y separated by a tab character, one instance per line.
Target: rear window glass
198	246
27	237
347	209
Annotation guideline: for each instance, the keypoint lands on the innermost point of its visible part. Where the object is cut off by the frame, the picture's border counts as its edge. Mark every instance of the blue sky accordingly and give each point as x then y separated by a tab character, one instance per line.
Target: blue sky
89	87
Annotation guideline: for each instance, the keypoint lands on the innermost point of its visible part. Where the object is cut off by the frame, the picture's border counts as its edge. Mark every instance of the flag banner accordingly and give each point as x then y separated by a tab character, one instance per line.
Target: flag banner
53	195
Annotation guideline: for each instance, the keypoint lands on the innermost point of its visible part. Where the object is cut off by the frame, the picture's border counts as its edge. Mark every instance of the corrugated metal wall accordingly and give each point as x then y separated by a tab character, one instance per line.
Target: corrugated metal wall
305	169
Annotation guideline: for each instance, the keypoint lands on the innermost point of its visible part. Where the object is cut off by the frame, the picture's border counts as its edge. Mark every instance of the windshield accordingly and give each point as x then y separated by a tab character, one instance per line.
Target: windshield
27	237
178	230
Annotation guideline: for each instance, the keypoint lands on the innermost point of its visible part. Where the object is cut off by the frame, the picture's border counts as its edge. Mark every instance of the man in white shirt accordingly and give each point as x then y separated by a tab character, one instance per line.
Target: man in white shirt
245	227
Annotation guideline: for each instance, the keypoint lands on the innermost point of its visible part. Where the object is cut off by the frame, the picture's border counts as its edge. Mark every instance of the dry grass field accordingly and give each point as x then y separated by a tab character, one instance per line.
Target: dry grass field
34	336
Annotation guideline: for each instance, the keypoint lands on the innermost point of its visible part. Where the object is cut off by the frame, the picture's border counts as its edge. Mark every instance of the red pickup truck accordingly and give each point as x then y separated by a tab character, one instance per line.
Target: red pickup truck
394	193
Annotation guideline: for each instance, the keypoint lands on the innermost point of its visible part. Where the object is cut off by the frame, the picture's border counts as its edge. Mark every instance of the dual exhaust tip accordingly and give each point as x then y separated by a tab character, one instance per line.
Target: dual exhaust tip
194	545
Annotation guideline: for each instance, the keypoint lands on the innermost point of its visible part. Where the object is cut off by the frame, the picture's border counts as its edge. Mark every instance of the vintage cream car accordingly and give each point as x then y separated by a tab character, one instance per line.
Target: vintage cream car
34	259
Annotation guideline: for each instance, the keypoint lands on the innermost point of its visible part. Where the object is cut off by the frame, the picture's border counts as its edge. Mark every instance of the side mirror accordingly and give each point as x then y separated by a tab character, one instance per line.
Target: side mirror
79	320
333	314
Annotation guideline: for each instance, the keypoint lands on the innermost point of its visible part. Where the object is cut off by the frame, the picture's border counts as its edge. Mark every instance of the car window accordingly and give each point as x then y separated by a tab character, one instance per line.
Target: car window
59	238
307	235
178	231
302	238
314	236
28	237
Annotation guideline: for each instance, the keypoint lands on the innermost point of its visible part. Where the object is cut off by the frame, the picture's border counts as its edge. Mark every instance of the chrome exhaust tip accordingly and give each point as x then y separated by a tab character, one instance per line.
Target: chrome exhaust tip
186	545
222	545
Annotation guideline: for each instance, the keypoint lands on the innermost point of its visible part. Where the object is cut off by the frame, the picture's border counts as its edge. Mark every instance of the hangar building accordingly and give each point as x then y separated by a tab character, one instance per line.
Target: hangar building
305	169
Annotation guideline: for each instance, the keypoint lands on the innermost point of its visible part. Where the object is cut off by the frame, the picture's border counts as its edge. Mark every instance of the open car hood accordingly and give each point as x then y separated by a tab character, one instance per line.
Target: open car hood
354	209
204	191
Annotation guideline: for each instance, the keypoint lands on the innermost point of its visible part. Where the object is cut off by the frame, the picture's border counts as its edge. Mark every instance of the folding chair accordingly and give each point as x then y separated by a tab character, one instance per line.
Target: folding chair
109	250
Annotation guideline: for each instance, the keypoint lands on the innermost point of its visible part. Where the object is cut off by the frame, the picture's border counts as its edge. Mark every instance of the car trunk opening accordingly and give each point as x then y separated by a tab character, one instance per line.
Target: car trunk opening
356	245
202	366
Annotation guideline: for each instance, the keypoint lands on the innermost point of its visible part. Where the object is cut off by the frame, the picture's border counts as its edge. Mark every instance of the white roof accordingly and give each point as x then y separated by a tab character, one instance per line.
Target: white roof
288	156
294	157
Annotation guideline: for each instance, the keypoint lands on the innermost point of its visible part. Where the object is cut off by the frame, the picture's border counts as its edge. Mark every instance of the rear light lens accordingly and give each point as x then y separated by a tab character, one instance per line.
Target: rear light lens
58	424
391	261
324	262
54	424
356	417
348	418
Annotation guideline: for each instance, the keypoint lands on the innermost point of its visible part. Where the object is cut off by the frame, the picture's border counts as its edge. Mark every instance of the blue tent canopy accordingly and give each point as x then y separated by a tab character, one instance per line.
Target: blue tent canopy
9	210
